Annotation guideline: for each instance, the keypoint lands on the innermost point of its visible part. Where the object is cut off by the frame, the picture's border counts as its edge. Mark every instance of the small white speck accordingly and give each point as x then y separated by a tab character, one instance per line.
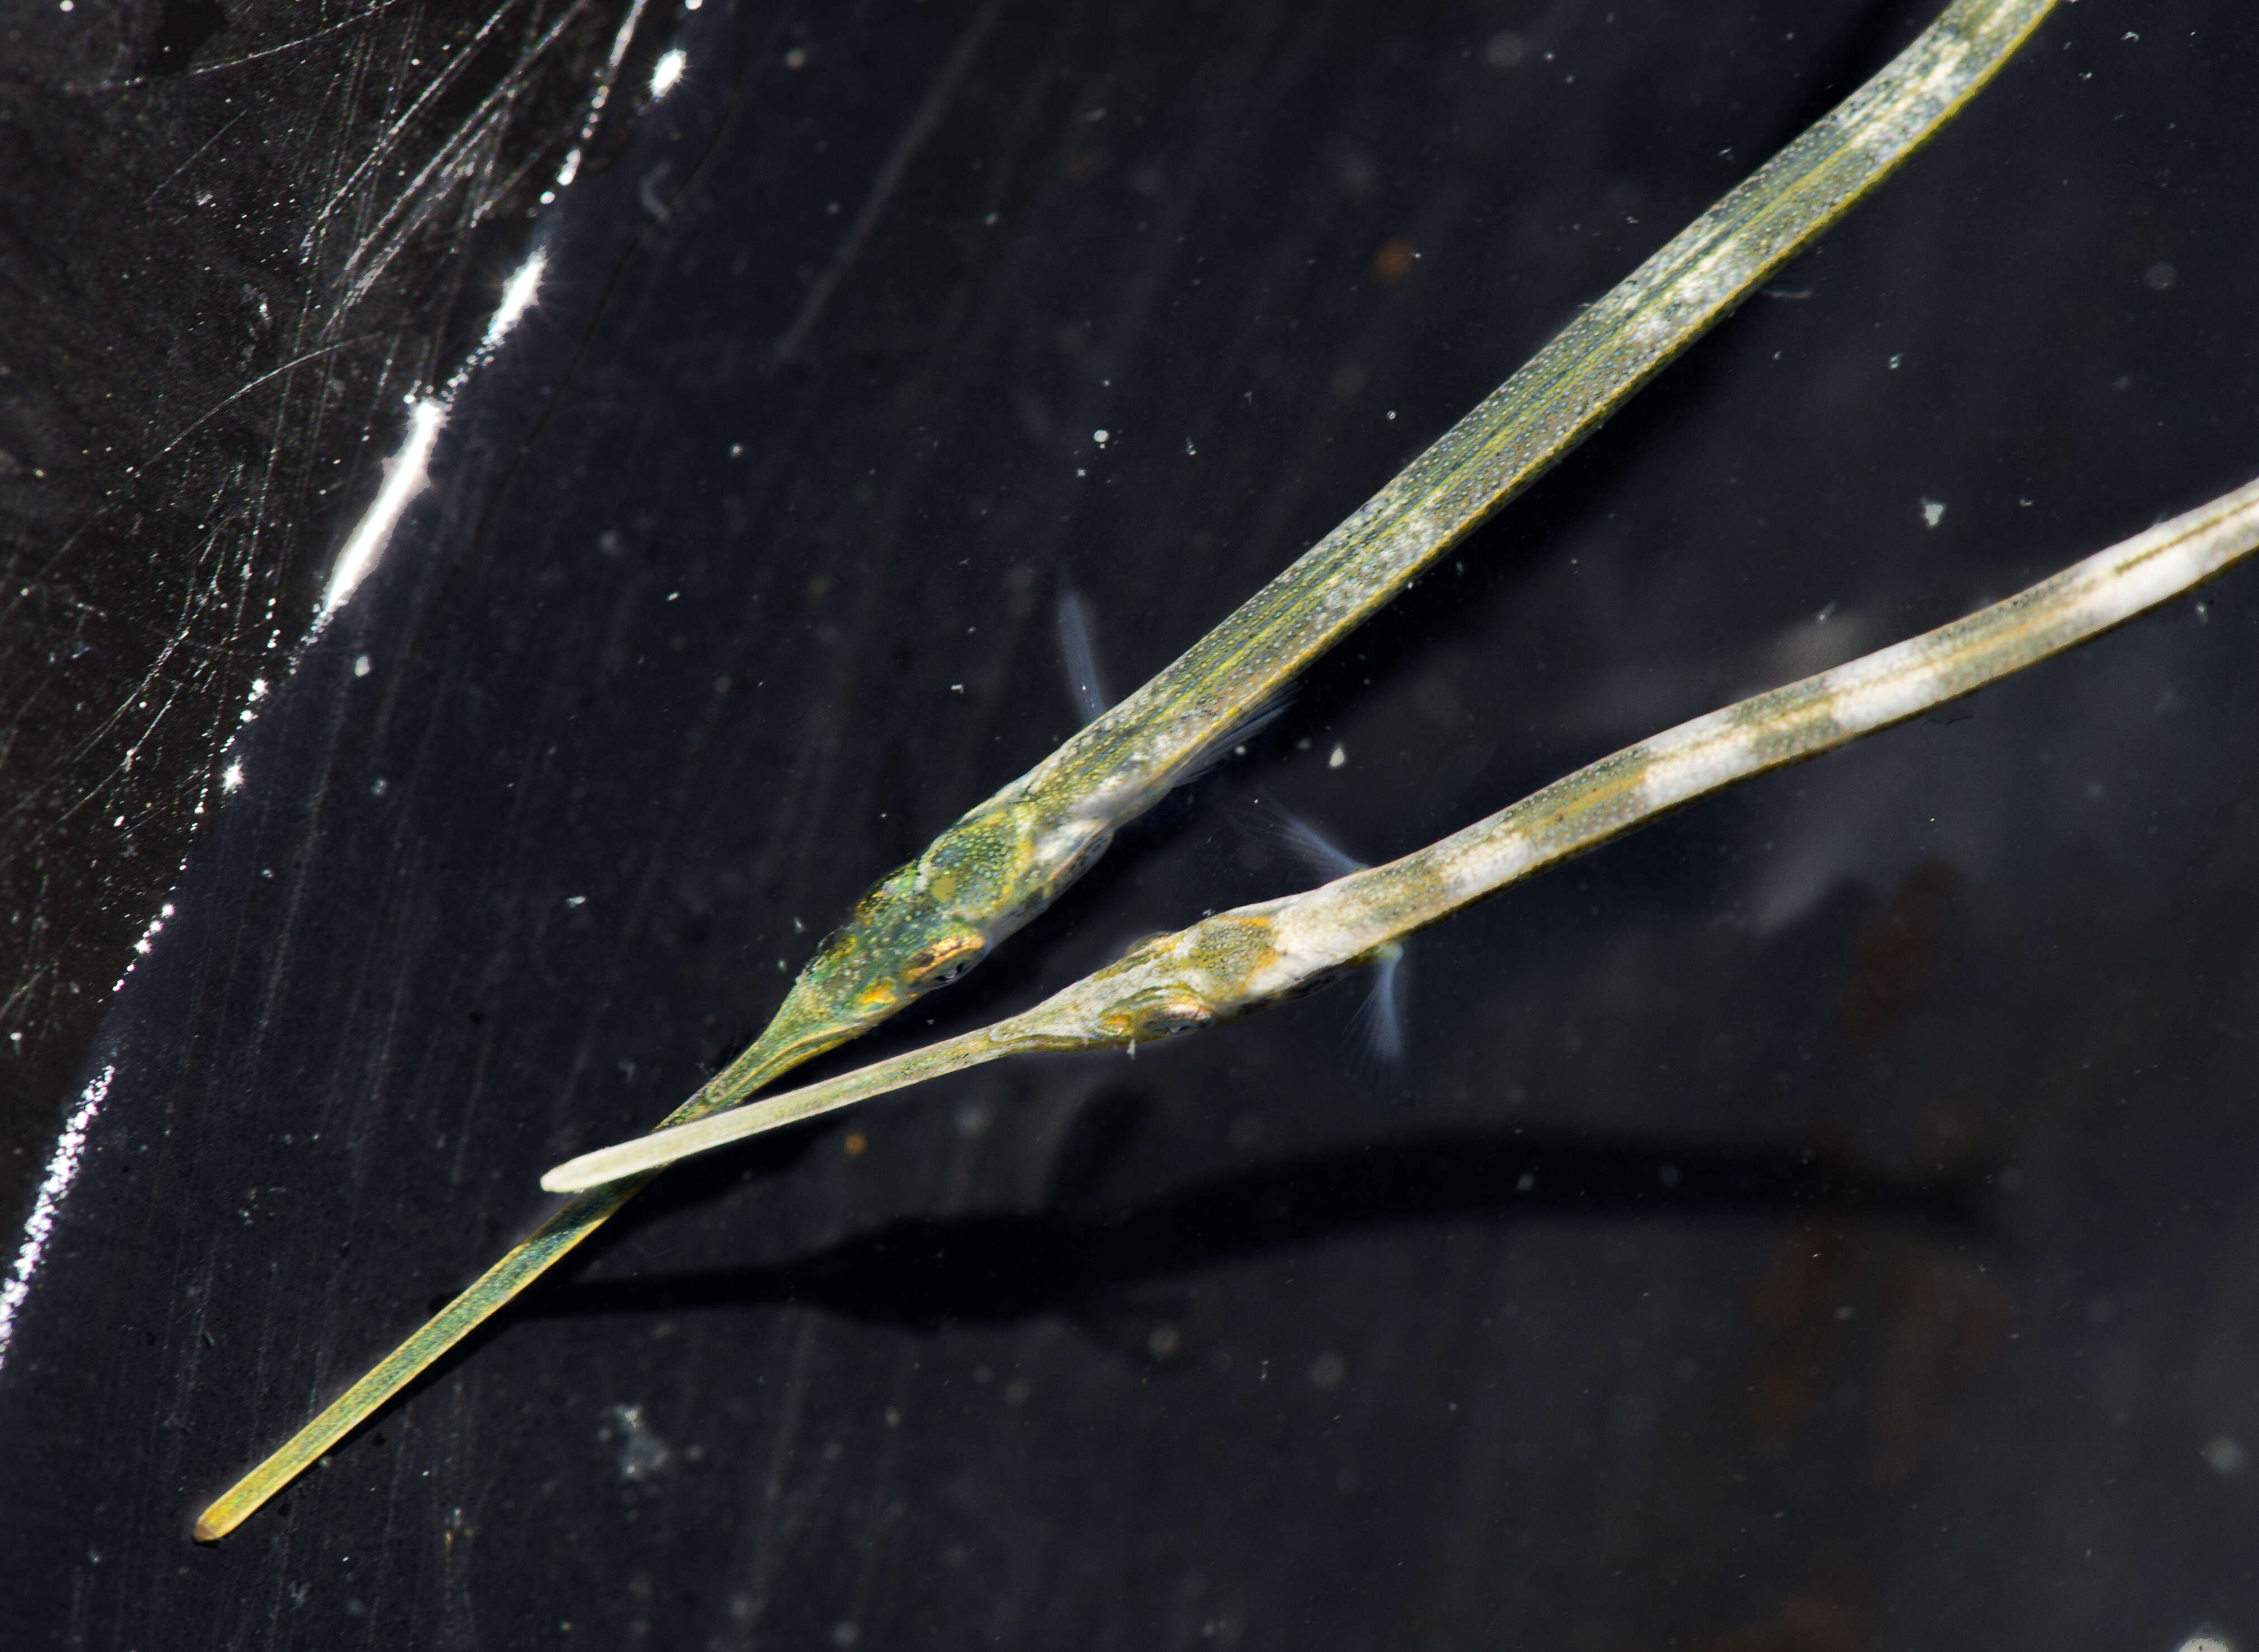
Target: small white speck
378	786
668	72
1392	413
1894	362
1932	513
231	778
360	666
957	688
1336	758
1101	437
576	901
671	595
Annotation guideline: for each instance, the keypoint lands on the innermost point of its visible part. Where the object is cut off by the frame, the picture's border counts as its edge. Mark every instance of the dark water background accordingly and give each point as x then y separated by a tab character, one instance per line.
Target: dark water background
1826	1220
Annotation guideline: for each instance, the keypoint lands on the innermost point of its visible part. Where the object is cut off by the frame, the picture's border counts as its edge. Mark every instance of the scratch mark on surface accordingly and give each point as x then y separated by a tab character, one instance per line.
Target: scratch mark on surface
889	179
602	95
228	127
773	1529
354	21
244	390
482	125
384	144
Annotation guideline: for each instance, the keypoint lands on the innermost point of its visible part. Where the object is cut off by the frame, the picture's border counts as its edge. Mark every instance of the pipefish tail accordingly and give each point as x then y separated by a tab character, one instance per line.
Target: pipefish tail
1260	955
1008	860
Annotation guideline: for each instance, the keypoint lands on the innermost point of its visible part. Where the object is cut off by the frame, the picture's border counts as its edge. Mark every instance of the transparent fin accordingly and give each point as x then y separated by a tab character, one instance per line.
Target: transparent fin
1380	1021
1078	656
1227	744
1319	853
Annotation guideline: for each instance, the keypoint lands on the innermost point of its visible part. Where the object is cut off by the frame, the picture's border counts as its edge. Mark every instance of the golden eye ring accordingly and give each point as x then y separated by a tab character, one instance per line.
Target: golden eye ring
938	963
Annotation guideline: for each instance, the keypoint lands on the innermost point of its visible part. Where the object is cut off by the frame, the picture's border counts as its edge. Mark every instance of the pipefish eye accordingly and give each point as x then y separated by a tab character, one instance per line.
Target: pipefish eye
1164	1013
940	961
1178	1015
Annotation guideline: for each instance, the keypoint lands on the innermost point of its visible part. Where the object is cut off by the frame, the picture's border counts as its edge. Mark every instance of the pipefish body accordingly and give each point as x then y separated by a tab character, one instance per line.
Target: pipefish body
1256	955
1005	861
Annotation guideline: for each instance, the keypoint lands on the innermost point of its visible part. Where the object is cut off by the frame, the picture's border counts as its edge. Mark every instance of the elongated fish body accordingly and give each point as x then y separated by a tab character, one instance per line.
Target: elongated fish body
1236	962
1009	858
1006	860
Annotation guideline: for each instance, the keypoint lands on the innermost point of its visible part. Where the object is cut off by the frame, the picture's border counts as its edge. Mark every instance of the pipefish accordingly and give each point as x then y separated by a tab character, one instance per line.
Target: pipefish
1006	860
1256	955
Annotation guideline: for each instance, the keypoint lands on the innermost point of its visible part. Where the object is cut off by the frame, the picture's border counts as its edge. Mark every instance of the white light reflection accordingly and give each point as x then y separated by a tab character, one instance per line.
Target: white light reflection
62	1169
667	71
142	947
517	296
404	478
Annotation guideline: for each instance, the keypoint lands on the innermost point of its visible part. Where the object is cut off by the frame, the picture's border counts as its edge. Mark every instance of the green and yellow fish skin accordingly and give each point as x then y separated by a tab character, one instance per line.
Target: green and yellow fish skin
1236	962
926	923
1002	864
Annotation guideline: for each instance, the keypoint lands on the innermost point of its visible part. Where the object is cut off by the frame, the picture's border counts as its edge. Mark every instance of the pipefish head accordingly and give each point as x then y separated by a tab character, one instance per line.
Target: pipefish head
926	923
1171	984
